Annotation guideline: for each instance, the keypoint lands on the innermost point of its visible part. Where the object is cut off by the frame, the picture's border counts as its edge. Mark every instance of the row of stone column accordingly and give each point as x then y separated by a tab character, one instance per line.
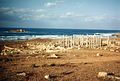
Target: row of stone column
81	41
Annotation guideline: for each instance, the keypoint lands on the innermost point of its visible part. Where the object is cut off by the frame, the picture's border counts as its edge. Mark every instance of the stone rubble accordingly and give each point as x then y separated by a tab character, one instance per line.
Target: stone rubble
107	75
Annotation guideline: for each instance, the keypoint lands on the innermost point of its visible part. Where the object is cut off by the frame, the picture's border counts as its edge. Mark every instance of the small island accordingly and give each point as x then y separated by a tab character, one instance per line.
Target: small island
16	30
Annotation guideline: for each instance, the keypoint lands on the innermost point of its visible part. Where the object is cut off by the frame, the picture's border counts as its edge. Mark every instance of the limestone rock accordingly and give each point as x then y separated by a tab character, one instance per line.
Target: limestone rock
53	56
98	54
105	74
112	50
118	78
47	77
22	74
102	74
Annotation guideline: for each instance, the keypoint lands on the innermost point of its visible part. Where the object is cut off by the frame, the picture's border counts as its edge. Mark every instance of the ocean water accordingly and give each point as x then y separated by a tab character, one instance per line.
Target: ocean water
32	33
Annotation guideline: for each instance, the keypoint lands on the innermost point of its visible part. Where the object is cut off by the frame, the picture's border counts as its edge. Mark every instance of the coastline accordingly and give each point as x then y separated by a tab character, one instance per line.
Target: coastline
29	37
33	33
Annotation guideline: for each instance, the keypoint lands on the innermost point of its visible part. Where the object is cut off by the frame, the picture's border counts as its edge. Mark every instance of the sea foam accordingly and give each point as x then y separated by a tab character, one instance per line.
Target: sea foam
28	37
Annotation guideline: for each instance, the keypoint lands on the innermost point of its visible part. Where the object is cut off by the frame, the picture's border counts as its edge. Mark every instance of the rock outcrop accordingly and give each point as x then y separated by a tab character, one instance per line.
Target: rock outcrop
16	30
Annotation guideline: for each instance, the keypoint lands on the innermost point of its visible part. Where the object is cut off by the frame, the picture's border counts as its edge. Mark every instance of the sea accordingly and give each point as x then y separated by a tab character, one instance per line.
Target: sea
33	33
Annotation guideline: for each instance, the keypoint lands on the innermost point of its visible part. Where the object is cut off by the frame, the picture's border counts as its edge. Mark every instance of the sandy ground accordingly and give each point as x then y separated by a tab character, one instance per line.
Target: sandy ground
72	65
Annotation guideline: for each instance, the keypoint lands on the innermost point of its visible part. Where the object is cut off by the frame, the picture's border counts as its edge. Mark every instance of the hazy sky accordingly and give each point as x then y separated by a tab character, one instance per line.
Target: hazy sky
82	14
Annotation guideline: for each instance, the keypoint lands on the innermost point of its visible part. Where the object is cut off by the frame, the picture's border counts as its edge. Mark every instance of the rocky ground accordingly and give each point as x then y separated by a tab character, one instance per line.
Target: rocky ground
24	63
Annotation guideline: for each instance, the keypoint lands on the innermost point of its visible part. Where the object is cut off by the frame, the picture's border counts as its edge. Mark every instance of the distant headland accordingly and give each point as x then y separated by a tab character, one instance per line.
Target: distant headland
16	30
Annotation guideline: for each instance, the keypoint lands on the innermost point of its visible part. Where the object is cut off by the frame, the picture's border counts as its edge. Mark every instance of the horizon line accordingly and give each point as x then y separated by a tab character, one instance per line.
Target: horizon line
63	28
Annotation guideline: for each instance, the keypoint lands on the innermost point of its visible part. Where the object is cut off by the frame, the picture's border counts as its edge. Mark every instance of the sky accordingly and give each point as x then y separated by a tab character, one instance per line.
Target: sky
78	14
